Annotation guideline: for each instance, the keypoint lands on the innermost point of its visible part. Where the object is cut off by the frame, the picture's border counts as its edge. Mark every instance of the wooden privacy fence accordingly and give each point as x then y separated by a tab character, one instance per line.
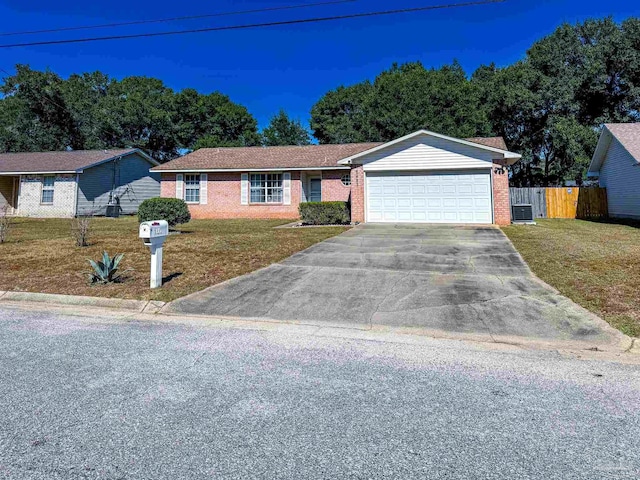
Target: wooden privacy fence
562	202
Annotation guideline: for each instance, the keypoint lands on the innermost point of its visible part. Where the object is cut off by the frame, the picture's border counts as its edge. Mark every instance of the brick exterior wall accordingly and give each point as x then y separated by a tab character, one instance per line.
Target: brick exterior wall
64	197
223	196
223	199
333	190
357	193
501	204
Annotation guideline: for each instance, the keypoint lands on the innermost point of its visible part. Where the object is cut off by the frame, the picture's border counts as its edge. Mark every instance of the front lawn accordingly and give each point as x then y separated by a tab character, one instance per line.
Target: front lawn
595	264
41	256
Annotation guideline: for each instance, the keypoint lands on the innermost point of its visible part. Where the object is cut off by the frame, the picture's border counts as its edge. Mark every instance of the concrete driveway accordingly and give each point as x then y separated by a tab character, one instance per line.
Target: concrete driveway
462	279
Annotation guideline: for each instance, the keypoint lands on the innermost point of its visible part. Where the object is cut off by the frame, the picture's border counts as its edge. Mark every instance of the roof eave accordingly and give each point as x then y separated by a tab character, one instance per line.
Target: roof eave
41	172
126	154
233	170
599	153
510	157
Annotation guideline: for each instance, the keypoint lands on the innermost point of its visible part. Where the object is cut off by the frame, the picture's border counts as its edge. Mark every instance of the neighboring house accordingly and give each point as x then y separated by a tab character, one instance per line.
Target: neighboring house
422	177
616	162
81	182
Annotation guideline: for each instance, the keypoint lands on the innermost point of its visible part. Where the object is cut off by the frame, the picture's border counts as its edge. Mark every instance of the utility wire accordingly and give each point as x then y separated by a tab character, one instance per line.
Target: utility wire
175	19
254	25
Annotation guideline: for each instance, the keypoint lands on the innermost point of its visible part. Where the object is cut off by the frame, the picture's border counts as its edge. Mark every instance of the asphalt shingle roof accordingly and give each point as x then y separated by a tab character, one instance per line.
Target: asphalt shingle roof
51	162
628	134
495	142
308	156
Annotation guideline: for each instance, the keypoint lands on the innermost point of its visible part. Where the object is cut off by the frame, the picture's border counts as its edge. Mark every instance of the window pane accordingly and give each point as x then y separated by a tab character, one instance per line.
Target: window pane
192	180
257	195
275	196
48	181
47	196
256	180
266	188
192	195
192	188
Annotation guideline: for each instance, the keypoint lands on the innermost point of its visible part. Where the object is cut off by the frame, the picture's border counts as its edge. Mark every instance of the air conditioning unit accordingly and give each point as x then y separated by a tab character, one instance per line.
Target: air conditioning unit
522	213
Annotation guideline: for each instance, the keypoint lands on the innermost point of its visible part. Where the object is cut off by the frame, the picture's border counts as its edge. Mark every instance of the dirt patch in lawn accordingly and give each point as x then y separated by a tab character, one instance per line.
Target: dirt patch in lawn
41	256
595	264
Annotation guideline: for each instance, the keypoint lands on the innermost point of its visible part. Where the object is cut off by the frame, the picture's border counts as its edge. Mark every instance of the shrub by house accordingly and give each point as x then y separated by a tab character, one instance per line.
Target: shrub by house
325	213
173	210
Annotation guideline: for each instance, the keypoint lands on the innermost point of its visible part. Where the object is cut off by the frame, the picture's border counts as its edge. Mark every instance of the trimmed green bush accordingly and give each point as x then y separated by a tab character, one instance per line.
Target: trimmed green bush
325	213
173	210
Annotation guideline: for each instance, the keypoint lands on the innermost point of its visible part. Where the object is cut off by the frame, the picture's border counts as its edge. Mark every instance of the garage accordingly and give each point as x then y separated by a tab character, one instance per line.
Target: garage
429	197
427	177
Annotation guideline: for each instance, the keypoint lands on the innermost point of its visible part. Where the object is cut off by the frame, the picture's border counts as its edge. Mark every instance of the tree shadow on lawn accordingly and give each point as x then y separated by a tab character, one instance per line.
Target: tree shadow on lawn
628	222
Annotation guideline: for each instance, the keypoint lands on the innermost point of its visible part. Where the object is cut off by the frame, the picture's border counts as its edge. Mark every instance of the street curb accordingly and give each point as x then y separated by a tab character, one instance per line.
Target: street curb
140	306
634	348
140	310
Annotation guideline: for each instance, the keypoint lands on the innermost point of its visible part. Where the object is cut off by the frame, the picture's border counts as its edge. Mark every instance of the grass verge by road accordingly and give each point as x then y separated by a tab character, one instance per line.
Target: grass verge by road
41	256
597	265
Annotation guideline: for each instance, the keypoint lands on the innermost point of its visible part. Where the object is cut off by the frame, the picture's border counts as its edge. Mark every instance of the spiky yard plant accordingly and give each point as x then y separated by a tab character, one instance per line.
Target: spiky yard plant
105	270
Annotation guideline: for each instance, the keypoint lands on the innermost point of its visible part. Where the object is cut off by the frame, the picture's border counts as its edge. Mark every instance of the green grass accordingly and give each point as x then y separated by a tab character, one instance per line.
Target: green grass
595	264
41	256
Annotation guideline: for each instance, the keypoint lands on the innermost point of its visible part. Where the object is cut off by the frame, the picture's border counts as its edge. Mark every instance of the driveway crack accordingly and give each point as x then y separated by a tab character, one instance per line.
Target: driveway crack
482	320
389	292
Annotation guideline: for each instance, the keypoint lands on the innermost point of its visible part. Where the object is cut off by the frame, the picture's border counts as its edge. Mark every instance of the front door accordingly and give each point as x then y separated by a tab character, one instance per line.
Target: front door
315	189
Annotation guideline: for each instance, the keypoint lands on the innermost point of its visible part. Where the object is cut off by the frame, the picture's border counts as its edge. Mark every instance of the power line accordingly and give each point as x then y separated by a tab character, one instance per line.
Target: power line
254	25
175	19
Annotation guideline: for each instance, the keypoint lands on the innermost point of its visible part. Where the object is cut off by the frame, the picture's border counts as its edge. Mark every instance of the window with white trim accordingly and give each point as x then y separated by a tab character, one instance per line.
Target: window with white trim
192	188
266	188
48	185
346	179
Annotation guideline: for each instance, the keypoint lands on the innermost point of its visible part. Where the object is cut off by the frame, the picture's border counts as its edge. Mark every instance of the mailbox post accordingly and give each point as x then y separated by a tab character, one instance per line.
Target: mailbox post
153	234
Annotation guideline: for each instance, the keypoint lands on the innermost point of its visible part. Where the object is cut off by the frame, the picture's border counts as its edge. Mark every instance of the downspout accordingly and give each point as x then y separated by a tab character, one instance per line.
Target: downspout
75	212
112	197
16	208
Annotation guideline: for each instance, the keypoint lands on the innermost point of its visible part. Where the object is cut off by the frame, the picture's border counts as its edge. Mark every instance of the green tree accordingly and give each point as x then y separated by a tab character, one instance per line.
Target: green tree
40	111
284	131
213	121
342	115
409	97
401	100
33	112
550	105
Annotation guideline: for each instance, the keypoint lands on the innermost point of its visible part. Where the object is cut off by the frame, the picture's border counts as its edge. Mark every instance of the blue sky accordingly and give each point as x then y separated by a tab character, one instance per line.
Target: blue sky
286	67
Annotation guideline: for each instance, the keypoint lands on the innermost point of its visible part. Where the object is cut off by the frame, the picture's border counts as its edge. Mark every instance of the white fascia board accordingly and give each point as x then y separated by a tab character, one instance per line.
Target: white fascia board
223	170
8	174
505	153
606	137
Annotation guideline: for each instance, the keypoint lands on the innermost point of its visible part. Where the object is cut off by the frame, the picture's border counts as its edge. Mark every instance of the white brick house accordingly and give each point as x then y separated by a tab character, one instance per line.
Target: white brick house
70	183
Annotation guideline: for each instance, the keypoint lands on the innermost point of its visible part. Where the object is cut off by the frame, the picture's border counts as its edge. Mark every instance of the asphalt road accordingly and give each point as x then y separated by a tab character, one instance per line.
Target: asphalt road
107	399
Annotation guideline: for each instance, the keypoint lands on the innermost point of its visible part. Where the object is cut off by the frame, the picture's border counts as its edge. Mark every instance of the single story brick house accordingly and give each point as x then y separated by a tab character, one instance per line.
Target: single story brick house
79	182
616	163
421	177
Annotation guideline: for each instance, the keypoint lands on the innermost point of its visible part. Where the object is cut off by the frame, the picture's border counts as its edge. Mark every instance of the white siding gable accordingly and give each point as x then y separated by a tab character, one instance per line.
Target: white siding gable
428	153
620	175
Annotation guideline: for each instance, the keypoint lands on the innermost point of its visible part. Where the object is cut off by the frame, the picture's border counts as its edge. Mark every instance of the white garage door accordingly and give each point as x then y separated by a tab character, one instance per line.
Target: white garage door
451	197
